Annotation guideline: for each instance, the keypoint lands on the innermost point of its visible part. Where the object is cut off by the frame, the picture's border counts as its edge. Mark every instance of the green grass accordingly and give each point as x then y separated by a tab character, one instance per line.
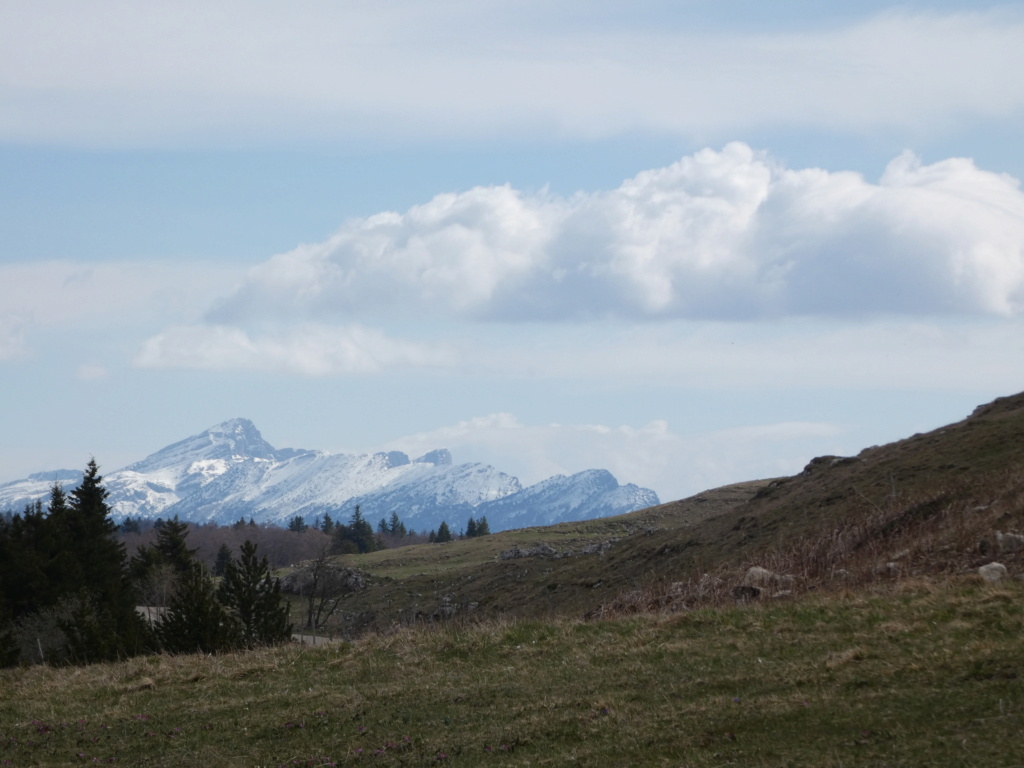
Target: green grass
925	674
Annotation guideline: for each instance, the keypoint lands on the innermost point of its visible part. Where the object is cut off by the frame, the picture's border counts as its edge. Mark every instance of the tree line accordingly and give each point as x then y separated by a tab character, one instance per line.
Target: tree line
71	579
69	591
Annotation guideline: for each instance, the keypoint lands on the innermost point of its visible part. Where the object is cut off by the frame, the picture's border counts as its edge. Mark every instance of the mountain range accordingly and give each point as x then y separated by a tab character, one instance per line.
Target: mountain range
230	472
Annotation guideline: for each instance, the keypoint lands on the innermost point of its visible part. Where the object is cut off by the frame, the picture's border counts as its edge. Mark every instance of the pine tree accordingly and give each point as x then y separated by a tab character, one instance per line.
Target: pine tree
471	528
327	526
195	620
443	533
130	525
297	524
357	536
106	625
254	599
223	558
170	543
482	528
158	568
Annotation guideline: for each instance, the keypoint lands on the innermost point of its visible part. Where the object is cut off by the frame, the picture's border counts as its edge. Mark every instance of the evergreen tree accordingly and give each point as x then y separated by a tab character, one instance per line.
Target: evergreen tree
195	620
357	536
297	524
223	558
382	526
471	528
254	599
170	543
327	525
482	527
156	569
443	533
395	526
107	625
130	525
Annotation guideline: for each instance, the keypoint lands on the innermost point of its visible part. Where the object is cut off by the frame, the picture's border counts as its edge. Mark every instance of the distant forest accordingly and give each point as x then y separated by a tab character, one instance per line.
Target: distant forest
75	587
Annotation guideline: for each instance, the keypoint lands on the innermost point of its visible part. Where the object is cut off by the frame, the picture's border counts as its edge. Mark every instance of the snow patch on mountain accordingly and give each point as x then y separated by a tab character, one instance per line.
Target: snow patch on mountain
229	472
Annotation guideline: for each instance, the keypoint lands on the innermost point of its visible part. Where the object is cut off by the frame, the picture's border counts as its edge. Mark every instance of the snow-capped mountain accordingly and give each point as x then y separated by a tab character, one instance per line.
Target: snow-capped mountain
229	472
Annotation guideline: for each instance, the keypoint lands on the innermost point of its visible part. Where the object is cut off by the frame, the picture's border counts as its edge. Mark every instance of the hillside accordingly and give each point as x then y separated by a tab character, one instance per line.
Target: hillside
924	506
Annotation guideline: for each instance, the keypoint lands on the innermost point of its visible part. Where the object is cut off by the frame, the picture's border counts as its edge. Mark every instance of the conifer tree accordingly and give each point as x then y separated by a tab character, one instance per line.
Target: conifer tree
357	536
443	533
106	625
223	558
482	527
395	526
254	599
196	621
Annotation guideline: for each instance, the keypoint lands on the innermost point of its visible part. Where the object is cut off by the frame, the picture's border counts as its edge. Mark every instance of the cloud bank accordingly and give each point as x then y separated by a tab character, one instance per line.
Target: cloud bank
730	235
309	350
113	72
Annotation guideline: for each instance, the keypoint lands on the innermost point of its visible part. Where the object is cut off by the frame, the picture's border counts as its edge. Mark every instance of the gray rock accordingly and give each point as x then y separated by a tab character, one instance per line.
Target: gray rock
992	572
1008	543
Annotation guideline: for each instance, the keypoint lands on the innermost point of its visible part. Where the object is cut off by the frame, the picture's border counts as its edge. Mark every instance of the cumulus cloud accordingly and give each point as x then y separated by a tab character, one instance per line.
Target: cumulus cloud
730	234
652	455
112	71
309	350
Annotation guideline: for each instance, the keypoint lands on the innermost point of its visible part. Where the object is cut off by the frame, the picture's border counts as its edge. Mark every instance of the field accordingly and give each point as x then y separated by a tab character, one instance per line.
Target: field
919	674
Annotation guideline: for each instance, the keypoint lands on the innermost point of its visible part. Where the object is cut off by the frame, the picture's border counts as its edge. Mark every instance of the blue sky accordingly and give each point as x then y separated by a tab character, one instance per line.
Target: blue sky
689	242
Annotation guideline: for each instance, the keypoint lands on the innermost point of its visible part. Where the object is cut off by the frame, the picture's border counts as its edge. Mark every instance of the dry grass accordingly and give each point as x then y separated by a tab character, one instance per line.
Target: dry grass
869	679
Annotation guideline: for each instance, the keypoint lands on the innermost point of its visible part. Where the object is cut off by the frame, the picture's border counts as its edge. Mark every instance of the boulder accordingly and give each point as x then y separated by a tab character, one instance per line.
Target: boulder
758	577
992	572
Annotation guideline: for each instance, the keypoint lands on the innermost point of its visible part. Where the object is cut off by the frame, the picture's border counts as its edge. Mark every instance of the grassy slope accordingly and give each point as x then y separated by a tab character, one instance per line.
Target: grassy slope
915	664
916	676
914	496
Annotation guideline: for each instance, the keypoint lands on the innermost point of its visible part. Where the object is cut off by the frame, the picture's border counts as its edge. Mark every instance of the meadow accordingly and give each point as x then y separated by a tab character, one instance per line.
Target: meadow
917	673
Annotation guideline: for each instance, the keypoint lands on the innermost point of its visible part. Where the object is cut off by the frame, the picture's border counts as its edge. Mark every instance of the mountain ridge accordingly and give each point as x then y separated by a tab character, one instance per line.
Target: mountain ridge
229	471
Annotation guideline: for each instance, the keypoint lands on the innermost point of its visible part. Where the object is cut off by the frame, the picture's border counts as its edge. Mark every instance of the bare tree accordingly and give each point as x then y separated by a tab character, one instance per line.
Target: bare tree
323	584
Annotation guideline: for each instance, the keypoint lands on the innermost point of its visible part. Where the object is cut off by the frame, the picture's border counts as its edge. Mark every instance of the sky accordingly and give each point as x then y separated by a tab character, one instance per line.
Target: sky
692	242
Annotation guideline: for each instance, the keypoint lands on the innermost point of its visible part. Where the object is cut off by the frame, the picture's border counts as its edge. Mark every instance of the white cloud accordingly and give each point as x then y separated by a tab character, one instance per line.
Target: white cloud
729	235
985	355
112	71
653	455
308	350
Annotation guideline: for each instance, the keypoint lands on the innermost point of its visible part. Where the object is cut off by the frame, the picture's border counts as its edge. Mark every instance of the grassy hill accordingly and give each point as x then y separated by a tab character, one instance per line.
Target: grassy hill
625	641
927	505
